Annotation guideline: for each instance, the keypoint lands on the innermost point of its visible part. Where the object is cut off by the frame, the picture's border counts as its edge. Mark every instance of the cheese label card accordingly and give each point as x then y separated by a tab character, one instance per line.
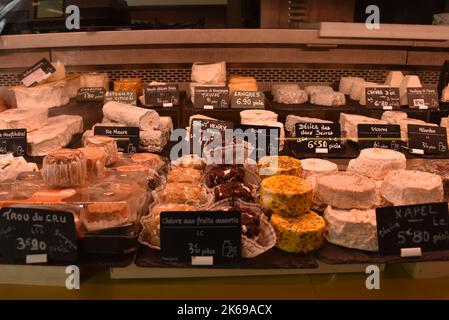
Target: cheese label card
424	226
383	98
422	98
186	235
127	137
427	139
90	94
386	136
162	95
248	100
205	131
37	73
211	98
126	97
317	138
26	233
13	141
264	139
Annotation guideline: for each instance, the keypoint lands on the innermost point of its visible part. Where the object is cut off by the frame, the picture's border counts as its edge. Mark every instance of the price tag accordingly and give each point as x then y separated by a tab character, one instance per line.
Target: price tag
424	226
248	100
383	98
317	138
37	73
423	98
427	139
162	95
26	234
211	97
90	94
13	141
187	235
127	137
379	136
264	139
203	131
127	97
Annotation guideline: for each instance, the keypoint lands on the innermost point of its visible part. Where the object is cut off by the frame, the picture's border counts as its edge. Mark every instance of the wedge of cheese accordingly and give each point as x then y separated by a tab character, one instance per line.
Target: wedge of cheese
349	123
394	79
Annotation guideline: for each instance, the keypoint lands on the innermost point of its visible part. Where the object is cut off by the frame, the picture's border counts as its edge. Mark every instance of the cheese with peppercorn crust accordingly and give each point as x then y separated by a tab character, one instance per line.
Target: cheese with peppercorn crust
287	195
302	234
279	165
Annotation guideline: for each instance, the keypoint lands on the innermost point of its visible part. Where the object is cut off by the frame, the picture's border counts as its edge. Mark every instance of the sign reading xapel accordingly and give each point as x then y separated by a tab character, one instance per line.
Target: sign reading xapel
188	235
37	235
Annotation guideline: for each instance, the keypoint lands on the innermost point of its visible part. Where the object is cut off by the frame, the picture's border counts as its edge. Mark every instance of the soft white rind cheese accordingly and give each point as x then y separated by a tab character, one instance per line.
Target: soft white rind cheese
355	229
311	90
346	84
408	82
276	86
328	99
209	72
24	119
132	116
252	116
42	96
375	163
59	74
349	122
394	117
291	96
358	89
407	187
394	79
94	80
315	167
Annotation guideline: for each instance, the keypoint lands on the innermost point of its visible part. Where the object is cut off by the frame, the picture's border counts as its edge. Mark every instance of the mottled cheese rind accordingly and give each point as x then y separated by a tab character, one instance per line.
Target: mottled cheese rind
302	234
346	84
287	195
407	187
355	229
349	124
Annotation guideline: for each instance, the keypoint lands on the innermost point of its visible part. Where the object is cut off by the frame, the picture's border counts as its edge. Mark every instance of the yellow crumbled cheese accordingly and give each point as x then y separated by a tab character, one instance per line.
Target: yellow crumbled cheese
279	165
302	234
286	195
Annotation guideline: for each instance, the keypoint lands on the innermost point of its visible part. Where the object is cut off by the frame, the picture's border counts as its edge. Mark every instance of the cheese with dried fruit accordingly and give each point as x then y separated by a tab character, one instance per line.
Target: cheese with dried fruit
302	234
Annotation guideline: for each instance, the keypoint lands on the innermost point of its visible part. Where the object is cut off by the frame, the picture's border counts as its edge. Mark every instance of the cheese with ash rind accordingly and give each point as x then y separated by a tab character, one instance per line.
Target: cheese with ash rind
394	79
315	167
408	82
276	86
209	72
349	123
407	187
358	89
354	228
292	120
291	96
346	84
347	191
41	96
328	99
286	195
24	119
394	117
302	234
57	134
132	116
376	163
311	90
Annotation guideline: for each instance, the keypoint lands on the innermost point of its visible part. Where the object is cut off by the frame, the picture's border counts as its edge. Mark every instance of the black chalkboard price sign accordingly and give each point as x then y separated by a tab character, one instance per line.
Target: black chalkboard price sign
264	139
127	137
203	131
423	98
13	141
166	95
248	100
382	98
383	136
37	236
37	73
90	94
427	139
317	138
424	226
210	98
127	97
200	234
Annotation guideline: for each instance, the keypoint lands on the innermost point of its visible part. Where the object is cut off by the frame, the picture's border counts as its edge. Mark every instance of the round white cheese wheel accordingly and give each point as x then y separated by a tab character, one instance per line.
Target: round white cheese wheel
355	229
314	166
347	191
407	187
346	84
376	163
